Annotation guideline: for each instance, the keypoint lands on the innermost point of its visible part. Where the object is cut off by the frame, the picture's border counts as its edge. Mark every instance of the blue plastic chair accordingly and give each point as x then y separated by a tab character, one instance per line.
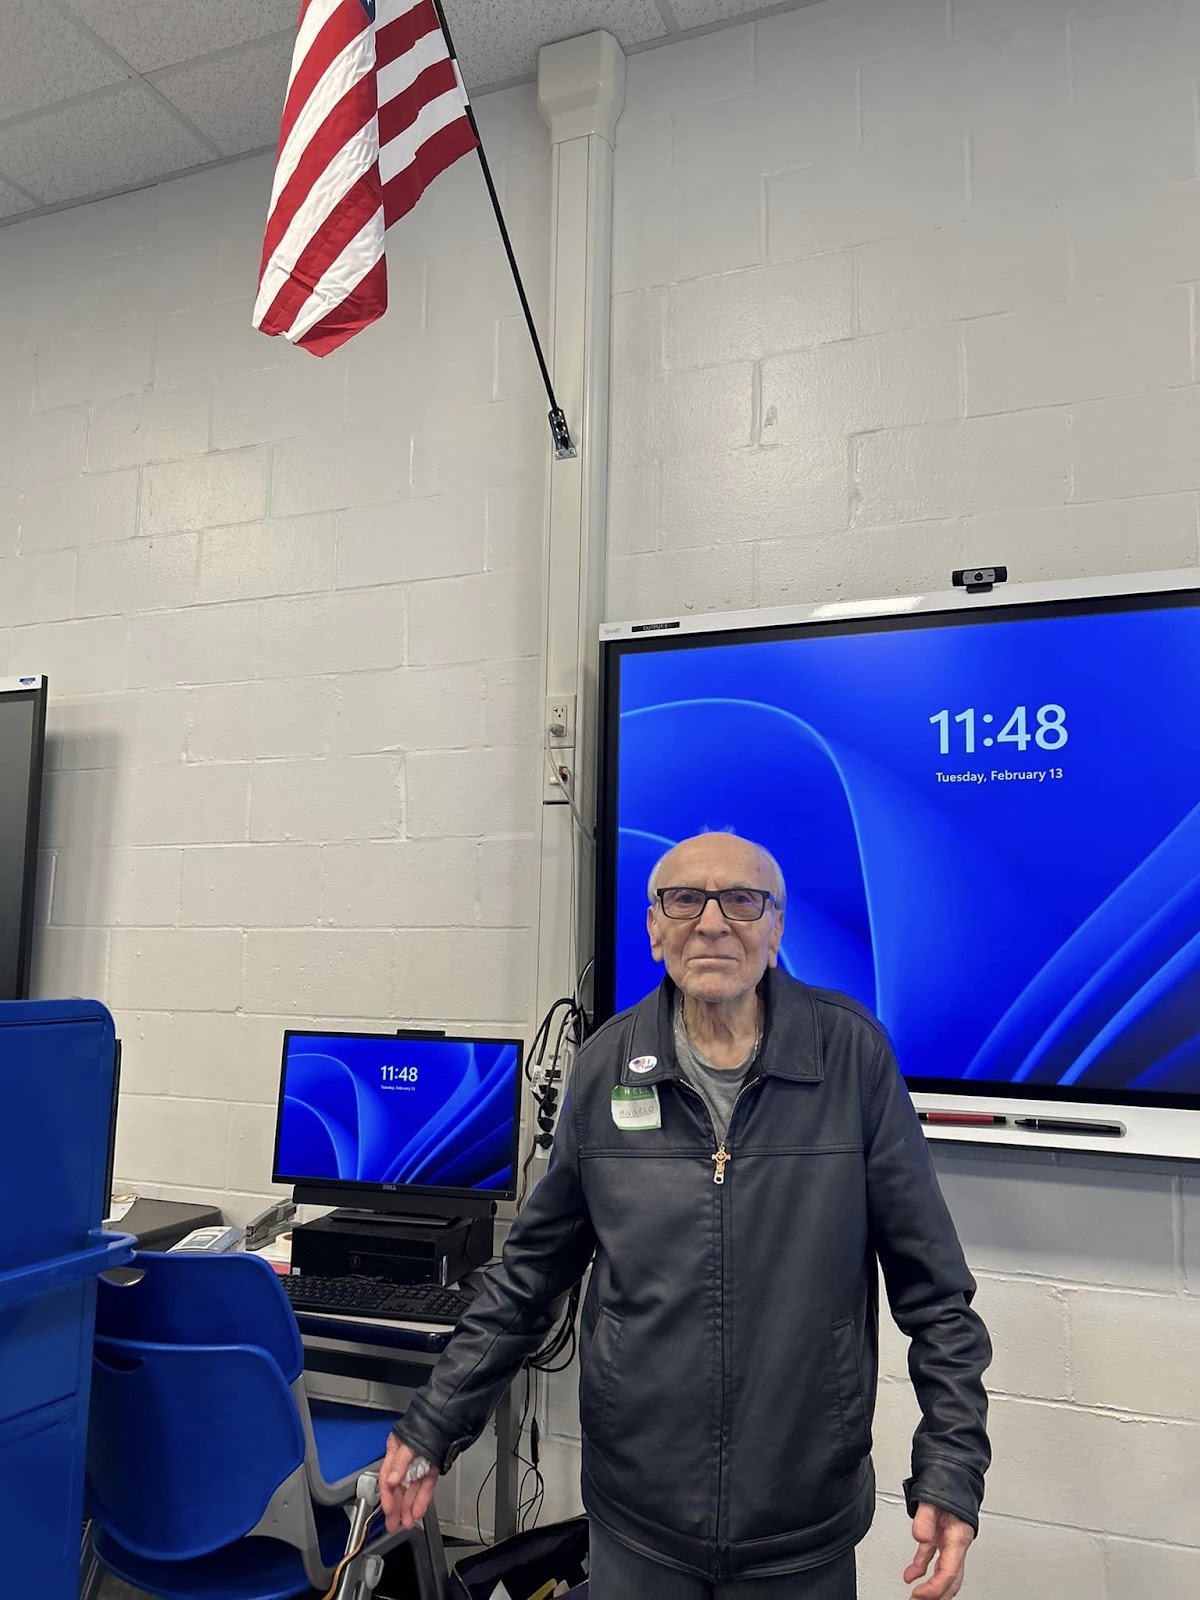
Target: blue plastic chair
210	1474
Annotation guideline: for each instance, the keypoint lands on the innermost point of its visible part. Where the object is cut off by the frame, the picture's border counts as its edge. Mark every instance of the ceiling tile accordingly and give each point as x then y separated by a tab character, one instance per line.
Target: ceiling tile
161	33
498	39
12	203
237	100
42	60
87	148
223	64
699	13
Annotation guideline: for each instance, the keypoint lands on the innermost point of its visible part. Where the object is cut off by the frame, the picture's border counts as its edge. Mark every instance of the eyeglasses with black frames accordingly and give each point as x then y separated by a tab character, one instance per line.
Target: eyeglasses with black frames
685	904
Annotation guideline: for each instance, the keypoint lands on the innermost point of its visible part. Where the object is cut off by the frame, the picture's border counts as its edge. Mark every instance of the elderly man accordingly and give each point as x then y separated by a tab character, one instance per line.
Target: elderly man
737	1153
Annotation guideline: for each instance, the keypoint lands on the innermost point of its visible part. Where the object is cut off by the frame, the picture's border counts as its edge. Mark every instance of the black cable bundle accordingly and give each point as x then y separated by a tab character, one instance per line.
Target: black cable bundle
547	1359
567	1023
529	1508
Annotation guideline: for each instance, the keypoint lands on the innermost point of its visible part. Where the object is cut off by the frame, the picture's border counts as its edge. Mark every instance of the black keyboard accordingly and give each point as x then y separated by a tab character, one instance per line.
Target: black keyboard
375	1297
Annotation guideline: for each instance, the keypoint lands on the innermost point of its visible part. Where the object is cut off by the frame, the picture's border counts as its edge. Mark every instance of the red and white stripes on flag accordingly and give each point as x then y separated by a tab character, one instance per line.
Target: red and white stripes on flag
375	110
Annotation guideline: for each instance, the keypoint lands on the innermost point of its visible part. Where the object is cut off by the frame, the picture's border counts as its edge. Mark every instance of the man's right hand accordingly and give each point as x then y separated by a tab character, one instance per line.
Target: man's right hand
403	1504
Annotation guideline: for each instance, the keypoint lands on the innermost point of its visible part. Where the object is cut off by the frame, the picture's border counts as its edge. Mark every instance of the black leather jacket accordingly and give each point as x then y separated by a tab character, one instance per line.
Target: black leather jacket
729	1335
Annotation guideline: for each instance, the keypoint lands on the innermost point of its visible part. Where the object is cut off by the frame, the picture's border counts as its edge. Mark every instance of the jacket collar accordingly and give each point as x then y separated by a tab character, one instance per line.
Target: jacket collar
791	1046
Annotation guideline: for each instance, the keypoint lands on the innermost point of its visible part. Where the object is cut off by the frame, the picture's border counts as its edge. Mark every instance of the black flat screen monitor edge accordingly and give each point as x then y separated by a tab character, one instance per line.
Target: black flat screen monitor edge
22	746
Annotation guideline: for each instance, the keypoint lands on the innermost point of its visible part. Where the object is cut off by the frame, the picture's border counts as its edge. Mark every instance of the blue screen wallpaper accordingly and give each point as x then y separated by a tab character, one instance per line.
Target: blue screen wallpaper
990	831
436	1112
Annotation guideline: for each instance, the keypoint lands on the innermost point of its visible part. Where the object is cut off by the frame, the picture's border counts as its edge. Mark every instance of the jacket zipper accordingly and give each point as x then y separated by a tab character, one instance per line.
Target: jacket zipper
720	1155
721	1158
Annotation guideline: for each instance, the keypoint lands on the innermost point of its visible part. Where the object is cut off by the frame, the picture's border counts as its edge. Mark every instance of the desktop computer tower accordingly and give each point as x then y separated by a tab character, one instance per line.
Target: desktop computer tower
360	1244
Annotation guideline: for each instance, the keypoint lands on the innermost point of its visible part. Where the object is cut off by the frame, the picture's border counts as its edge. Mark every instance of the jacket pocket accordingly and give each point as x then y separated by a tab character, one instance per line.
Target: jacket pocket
852	1400
597	1373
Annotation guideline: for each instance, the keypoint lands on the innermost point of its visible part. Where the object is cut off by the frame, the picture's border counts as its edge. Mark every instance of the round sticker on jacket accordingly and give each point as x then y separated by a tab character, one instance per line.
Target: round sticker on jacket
643	1064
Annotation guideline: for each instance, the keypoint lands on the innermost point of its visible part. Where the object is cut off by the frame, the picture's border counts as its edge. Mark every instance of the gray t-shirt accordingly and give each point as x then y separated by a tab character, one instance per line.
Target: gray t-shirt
719	1086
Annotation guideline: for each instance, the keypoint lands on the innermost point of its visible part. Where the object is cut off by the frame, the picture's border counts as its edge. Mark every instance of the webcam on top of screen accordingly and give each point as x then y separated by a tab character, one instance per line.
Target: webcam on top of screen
978	580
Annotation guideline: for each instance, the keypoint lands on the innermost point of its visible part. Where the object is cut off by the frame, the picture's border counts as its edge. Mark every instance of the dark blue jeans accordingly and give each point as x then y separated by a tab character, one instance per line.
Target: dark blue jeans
618	1573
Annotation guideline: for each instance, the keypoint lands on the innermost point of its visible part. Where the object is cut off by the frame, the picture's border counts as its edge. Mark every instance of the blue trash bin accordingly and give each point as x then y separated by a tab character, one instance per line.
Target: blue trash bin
56	1090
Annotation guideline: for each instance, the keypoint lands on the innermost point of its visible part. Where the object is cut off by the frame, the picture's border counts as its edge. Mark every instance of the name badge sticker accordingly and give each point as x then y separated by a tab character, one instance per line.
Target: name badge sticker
636	1110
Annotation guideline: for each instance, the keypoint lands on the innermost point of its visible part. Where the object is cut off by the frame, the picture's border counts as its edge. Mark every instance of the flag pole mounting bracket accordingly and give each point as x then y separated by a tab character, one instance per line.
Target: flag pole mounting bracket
564	449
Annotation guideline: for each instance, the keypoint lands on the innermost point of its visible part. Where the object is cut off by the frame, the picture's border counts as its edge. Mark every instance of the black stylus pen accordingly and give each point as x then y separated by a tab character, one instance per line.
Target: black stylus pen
1066	1125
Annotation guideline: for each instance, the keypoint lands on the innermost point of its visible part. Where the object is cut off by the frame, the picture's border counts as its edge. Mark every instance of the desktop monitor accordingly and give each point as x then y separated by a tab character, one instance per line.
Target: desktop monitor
22	738
110	1160
399	1121
986	809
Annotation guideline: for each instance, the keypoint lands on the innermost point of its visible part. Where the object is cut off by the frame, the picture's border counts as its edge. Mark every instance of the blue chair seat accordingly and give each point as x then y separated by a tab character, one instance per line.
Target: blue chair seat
254	1569
348	1438
211	1475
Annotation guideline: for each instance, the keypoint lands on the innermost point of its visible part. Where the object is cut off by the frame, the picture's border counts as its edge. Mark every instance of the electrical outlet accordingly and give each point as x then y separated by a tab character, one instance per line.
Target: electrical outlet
558	766
555	779
560	721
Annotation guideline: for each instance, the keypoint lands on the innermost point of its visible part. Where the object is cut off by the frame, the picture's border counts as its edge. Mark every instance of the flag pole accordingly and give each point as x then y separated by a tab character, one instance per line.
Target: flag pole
559	431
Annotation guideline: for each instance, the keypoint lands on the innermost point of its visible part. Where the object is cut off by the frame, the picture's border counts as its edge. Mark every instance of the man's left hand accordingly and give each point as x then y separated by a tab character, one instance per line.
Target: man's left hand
939	1533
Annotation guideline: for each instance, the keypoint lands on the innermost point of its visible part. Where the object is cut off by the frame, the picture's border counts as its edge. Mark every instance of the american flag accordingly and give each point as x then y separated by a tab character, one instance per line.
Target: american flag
375	110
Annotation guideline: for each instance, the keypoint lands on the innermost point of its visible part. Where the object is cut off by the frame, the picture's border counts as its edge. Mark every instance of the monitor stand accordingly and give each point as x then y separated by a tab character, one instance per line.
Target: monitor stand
408	1203
352	1216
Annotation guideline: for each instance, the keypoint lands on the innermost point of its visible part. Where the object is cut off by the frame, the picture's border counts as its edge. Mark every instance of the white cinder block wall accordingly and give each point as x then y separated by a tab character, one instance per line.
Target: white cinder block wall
290	613
289	610
899	284
902	285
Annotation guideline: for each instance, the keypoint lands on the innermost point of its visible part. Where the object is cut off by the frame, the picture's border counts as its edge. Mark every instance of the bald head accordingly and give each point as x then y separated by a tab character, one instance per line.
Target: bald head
750	864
